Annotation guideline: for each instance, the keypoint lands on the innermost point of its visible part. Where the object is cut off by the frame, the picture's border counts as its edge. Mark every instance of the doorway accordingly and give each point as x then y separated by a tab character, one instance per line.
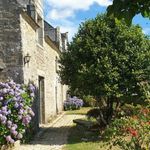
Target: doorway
41	100
56	100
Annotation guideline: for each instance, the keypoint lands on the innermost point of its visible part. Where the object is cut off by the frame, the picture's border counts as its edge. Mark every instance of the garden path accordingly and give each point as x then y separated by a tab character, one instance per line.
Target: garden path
53	135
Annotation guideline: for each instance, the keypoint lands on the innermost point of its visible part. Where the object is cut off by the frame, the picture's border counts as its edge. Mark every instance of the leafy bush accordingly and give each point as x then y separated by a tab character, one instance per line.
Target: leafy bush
131	131
89	101
93	113
101	115
115	69
15	110
145	90
73	103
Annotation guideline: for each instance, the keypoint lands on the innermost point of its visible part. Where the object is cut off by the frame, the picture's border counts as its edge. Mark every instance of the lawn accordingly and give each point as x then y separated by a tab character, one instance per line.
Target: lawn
81	111
81	139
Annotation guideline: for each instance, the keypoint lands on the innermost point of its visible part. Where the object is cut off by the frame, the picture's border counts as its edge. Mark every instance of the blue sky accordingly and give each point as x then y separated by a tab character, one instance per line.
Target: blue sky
68	14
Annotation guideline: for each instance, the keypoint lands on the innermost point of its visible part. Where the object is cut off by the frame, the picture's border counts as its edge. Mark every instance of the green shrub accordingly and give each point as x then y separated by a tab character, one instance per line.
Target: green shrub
89	101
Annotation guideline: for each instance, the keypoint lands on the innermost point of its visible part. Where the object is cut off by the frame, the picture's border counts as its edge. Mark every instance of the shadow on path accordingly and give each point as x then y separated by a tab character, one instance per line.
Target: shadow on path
52	136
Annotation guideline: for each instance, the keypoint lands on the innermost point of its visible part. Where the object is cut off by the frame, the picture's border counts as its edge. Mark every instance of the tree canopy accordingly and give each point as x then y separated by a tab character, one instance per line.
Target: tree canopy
127	9
106	59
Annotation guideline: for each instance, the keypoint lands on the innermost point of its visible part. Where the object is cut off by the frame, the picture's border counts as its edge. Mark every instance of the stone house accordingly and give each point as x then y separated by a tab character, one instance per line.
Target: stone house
29	51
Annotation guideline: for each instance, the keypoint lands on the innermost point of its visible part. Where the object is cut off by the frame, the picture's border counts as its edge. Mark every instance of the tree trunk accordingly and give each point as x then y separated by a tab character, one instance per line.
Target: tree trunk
110	109
117	104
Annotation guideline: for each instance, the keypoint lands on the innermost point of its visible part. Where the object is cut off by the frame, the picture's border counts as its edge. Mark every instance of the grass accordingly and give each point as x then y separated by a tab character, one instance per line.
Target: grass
82	139
81	111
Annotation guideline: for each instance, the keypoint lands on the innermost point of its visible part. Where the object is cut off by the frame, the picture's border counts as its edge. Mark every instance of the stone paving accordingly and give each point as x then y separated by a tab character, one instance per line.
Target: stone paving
54	135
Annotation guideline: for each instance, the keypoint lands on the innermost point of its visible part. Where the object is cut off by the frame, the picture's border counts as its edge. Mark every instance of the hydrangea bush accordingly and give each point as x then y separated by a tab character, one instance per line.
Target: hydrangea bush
15	110
73	103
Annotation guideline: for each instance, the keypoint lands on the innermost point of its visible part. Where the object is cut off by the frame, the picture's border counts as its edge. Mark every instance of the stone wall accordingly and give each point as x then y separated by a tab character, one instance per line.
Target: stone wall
10	41
28	36
42	63
56	92
18	38
51	81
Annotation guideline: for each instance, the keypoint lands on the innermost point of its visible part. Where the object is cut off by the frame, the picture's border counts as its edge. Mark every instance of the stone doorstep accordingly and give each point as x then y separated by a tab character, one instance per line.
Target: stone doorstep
15	146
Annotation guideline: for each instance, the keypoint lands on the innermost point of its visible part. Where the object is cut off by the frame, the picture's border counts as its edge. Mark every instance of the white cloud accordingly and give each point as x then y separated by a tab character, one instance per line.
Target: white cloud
66	8
104	2
62	12
77	4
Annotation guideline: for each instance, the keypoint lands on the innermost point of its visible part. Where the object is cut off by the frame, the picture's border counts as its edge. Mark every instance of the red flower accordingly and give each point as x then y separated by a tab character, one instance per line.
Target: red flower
134	133
148	122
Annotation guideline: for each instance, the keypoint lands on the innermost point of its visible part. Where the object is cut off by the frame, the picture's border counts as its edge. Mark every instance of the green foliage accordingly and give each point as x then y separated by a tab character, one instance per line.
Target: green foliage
101	115
145	89
131	131
127	9
82	111
93	113
107	59
89	101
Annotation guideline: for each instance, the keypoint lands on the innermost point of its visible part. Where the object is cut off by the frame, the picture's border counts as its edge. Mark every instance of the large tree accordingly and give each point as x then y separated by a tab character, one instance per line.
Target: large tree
107	60
127	9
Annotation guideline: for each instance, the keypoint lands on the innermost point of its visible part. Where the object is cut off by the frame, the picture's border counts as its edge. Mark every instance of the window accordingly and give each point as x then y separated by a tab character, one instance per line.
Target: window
56	64
40	30
31	11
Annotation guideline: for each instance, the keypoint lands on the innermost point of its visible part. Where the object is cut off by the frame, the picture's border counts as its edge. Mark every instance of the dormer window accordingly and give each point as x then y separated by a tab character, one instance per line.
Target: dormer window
31	11
56	64
64	39
40	30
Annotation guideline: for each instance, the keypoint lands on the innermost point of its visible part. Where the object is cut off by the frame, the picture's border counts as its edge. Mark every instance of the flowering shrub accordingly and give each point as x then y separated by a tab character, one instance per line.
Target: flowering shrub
73	103
15	110
132	131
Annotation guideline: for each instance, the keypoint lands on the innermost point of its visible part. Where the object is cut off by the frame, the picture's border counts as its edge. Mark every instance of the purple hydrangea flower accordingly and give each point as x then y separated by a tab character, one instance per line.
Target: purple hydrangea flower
1	98
14	133
9	139
73	103
9	123
14	109
19	136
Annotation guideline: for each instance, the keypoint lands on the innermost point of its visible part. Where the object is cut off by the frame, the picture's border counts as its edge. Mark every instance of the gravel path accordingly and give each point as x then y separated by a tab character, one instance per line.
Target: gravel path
54	135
